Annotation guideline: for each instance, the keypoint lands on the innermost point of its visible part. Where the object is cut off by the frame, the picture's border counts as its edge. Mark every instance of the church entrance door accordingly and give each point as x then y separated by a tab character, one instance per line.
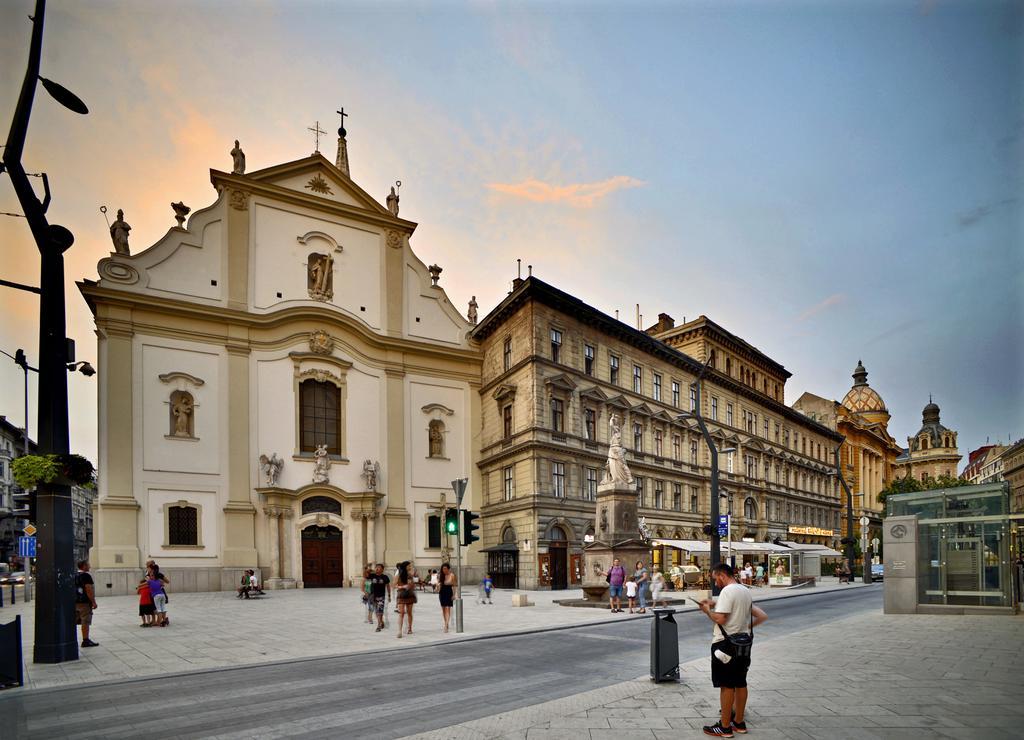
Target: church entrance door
321	557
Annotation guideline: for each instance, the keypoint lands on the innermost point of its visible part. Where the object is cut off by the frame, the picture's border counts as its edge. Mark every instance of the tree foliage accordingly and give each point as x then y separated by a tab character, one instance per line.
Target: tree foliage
31	470
910	485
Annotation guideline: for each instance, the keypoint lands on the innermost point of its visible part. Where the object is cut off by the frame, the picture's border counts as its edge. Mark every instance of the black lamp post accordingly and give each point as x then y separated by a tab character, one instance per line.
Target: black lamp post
851	556
55	639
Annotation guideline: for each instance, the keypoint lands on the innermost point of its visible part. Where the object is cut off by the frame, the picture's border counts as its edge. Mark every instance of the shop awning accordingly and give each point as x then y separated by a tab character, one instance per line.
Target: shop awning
503	547
698	546
810	549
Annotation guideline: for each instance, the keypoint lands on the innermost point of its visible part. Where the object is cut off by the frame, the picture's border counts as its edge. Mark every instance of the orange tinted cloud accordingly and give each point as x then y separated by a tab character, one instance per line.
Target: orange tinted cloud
580	195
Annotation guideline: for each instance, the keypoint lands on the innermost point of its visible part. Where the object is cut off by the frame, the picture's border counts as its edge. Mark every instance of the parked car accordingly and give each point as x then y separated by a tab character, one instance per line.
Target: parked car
877	572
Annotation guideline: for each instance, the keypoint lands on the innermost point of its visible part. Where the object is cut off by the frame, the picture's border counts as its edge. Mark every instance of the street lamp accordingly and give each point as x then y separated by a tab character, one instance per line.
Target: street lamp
55	612
848	540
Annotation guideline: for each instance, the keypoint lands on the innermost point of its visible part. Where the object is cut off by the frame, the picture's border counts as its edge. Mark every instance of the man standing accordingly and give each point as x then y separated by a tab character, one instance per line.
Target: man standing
616	576
85	601
734	614
380	585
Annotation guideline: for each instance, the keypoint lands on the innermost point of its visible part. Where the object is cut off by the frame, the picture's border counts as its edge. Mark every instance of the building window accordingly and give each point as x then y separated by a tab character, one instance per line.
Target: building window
433	531
557	415
639	490
658	443
693	452
590	484
766	429
556	345
638	437
506	421
659	495
749	510
657	386
776	434
767	470
711	360
728	461
677	497
675	393
320	416
693	398
316	504
613	369
590	424
694	501
714	408
506	354
728	414
508	480
751	463
588	359
638	379
182	526
676	444
558	479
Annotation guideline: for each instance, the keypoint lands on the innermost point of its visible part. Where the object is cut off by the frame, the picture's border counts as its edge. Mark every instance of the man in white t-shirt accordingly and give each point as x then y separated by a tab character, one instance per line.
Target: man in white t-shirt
733	613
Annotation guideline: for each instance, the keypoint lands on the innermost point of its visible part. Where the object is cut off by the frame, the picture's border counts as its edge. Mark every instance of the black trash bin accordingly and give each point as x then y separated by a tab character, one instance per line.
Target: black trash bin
664	646
10	654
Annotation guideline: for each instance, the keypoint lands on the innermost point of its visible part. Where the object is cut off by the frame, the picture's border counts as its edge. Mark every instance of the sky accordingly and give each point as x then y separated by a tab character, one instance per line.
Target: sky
831	181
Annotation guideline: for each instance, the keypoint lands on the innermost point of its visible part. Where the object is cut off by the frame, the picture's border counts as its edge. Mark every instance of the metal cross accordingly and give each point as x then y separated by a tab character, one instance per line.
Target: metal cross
316	132
342	113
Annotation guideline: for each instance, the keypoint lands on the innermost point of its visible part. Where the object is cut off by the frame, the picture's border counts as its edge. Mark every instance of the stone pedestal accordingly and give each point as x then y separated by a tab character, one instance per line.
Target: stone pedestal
617	535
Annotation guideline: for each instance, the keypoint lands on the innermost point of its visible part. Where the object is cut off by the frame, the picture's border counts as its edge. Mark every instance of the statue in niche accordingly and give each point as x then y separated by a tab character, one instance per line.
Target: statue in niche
371	471
323	465
616	470
119	234
183	410
237	160
271	469
320	276
472	313
392	201
436	438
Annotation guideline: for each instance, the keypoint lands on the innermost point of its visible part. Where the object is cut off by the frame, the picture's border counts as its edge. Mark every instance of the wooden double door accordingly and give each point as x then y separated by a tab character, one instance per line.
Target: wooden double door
321	557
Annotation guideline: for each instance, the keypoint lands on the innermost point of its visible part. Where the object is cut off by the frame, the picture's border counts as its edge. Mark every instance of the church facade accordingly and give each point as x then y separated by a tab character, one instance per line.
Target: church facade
284	386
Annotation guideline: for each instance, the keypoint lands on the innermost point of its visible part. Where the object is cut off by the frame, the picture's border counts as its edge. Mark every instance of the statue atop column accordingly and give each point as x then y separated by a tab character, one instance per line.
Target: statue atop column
119	234
616	470
237	160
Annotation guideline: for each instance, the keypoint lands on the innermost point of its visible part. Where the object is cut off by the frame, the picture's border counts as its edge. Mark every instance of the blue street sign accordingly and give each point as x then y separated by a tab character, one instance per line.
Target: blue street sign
723	525
26	547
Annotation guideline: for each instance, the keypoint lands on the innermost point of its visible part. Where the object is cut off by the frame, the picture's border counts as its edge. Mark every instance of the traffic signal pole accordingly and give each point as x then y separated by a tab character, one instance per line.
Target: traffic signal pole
459	486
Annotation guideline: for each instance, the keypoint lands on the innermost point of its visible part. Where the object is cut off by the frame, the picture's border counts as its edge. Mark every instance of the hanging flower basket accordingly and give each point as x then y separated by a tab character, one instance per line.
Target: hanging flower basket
31	470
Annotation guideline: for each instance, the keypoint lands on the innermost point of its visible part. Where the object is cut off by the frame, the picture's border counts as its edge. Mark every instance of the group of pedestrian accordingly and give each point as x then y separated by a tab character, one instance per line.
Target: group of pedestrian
377	591
152	590
634	587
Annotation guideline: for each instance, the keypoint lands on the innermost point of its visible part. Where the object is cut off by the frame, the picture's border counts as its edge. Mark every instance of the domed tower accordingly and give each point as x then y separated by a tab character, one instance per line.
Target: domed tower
864	401
932	452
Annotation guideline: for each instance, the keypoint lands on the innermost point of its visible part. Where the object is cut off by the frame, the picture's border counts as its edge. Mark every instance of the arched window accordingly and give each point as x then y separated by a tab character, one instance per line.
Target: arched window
316	504
508	536
182	525
436	438
557	534
320	416
749	510
711	360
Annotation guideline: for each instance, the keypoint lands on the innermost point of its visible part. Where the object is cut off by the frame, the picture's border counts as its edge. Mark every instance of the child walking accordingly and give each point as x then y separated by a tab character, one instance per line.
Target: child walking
486	584
147	611
631	594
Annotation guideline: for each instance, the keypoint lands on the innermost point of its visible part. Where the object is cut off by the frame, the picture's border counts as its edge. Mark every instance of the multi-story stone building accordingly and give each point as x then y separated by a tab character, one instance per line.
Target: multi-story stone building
932	452
555	370
985	464
868	453
1013	473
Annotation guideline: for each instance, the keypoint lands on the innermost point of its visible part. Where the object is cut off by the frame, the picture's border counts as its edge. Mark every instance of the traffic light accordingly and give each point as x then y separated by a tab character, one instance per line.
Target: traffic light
469	527
708	530
451	521
24	504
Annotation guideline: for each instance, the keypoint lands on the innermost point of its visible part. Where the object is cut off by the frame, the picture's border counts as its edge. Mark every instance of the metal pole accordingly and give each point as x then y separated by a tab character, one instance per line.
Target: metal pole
458	579
716	538
25	441
851	556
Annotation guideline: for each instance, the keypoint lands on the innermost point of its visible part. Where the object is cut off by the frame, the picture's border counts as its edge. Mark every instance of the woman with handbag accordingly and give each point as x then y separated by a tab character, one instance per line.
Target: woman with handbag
406	596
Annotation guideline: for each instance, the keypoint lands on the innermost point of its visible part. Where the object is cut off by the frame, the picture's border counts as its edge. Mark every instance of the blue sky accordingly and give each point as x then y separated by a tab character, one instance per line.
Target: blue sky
832	181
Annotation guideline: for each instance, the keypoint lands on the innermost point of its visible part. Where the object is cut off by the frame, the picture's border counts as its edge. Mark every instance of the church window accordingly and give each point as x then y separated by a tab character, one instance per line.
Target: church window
316	504
435	432
924	443
182	525
506	354
556	345
588	359
320	416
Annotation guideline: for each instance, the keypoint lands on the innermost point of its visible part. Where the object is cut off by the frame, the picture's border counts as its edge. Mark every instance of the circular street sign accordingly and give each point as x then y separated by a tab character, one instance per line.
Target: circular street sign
29	530
864	521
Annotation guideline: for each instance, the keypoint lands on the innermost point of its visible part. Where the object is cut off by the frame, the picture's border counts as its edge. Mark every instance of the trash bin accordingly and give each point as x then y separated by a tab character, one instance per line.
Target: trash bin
10	654
664	646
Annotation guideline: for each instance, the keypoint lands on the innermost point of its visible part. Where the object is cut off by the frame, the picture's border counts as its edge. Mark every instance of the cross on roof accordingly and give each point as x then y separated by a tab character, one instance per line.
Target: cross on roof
343	114
316	132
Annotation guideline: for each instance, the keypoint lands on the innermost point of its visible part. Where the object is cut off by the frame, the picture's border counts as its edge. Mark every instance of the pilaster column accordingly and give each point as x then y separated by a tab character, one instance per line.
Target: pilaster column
396	516
239	512
274	529
284	528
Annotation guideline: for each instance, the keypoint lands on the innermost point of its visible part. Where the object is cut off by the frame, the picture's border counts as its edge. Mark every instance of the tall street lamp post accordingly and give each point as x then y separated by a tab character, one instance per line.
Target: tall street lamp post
848	540
54	614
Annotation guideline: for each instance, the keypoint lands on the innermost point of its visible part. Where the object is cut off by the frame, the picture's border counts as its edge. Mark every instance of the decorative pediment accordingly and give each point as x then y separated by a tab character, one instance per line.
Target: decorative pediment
560	383
316	176
642	409
618	402
754	446
439	408
504	392
662	416
594	394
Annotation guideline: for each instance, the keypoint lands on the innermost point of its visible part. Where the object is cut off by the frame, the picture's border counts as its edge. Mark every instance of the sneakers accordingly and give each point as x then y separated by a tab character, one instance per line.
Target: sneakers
89	643
740	727
716	730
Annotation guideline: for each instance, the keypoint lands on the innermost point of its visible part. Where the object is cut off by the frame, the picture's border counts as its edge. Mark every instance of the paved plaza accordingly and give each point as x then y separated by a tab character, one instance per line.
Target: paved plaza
866	676
215	629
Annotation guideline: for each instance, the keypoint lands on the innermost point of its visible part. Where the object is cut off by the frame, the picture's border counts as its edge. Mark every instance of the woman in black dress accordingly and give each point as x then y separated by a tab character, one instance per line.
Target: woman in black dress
446	592
406	596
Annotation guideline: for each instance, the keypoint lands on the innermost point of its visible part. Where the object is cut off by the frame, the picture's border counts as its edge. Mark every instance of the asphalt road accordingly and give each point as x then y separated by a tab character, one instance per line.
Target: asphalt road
388	693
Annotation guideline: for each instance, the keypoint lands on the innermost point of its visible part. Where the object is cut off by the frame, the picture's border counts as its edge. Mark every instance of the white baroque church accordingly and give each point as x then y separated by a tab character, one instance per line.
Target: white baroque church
283	385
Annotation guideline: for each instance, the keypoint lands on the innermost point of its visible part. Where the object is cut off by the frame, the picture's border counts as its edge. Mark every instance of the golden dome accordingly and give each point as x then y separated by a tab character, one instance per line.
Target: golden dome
862	398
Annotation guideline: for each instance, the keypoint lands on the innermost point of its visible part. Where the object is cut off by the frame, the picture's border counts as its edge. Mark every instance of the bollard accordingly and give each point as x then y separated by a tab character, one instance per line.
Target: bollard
664	646
11	669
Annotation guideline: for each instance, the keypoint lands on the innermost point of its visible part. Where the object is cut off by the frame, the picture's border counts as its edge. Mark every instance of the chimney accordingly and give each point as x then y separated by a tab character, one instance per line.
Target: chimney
665	322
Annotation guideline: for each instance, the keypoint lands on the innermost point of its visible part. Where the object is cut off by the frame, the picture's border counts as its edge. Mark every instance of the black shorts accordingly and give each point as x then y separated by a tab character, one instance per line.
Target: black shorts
731	675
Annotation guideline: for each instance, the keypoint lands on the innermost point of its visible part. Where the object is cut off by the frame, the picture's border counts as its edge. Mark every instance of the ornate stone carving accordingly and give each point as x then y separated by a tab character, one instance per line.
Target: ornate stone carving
180	212
118	272
321	342
323	465
237	160
394	240
119	234
183	409
616	470
320	276
318	184
371	471
323	519
604	519
472	313
435	438
320	375
270	467
239	200
178	375
435	274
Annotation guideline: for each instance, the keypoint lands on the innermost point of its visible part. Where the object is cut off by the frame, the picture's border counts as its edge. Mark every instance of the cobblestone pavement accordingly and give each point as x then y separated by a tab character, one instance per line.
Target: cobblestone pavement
214	629
866	676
